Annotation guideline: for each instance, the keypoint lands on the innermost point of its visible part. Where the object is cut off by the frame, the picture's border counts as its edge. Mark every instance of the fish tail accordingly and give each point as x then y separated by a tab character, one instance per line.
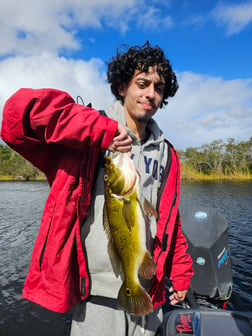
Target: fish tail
135	300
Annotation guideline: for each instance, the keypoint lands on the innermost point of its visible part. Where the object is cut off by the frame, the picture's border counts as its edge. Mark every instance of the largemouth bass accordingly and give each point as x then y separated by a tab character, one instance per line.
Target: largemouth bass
125	210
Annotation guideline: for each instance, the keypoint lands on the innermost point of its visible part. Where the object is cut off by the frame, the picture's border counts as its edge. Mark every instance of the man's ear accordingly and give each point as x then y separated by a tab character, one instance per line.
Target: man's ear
122	90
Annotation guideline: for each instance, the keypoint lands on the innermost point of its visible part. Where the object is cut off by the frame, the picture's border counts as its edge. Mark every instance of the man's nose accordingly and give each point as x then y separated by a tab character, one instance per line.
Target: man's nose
150	91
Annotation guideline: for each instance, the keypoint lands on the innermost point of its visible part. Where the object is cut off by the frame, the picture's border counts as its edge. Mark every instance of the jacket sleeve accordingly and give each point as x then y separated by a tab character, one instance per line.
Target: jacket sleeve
181	266
36	123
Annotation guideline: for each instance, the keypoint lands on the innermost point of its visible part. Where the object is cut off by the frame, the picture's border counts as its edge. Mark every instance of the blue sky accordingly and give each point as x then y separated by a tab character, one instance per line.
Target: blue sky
65	44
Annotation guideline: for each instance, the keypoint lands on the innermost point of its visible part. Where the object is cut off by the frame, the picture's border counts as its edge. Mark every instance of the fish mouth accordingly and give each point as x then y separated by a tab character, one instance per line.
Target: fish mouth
127	175
130	190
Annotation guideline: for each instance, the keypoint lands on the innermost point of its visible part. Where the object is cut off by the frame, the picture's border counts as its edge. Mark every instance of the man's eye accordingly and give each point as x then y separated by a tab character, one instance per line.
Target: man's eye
160	89
141	84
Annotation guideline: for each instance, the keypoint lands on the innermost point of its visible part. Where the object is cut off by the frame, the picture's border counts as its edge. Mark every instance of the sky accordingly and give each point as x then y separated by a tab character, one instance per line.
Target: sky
66	44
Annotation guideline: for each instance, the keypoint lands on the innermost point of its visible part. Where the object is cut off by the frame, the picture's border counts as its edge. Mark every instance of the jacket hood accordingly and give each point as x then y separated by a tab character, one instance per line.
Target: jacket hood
116	112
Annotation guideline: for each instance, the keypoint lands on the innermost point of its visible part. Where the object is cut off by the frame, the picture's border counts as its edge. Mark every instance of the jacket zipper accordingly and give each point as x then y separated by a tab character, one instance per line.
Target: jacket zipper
167	170
84	181
82	191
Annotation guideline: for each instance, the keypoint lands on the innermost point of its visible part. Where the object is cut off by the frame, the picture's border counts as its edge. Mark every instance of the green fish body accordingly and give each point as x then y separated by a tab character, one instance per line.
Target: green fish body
125	210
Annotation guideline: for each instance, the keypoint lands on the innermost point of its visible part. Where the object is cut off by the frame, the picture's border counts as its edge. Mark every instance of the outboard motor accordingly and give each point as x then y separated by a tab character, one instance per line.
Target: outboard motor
207	236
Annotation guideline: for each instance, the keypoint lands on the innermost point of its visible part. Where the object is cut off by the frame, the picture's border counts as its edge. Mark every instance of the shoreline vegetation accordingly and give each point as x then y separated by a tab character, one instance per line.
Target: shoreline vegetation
216	161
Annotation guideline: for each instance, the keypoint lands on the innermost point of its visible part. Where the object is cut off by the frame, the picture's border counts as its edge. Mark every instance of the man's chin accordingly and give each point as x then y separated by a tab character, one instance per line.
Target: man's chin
143	119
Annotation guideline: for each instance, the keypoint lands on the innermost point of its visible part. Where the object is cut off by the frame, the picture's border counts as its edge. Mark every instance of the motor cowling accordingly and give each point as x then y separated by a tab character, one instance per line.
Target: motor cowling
206	231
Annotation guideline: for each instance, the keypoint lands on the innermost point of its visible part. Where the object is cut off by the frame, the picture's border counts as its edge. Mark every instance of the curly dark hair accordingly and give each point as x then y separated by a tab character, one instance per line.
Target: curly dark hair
122	67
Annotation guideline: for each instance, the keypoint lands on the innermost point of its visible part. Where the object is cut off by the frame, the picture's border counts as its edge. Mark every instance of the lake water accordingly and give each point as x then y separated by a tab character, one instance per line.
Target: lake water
21	206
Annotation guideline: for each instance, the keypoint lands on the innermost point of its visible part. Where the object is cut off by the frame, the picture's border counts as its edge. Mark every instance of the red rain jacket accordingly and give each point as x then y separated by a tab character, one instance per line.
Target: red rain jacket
64	139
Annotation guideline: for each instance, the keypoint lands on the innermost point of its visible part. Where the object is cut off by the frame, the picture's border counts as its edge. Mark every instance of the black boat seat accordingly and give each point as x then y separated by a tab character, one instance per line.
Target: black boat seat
207	322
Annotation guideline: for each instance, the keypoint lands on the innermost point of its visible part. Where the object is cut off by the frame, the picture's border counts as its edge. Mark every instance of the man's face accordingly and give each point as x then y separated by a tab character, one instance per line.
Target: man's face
143	95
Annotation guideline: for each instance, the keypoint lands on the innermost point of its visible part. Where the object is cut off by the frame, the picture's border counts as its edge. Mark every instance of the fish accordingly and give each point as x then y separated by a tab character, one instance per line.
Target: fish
125	211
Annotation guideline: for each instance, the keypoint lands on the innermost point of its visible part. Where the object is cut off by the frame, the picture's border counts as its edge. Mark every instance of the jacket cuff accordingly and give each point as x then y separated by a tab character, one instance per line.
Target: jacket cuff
180	285
110	133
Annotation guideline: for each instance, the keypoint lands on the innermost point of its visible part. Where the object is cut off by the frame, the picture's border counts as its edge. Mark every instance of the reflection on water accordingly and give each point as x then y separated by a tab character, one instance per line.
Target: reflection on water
21	206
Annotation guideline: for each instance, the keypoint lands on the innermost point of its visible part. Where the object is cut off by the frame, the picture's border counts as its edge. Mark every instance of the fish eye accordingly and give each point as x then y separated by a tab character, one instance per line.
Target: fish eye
105	177
128	292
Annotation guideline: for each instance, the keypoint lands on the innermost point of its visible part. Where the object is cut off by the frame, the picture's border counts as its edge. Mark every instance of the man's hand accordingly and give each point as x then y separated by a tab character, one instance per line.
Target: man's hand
177	296
121	141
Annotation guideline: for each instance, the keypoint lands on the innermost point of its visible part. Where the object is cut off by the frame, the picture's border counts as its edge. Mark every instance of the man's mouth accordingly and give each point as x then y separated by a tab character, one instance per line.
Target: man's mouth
147	105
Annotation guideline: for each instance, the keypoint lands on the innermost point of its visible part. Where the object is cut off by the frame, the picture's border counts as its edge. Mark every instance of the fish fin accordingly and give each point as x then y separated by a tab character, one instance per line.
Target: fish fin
112	250
135	301
115	259
106	222
128	213
149	209
148	267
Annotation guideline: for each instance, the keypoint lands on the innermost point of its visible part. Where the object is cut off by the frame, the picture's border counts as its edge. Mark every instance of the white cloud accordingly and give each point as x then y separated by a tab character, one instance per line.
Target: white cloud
206	109
203	110
152	18
33	33
196	22
77	77
235	17
31	27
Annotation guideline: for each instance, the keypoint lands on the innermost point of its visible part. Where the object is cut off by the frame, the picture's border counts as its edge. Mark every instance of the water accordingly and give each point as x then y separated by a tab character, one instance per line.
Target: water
234	201
21	206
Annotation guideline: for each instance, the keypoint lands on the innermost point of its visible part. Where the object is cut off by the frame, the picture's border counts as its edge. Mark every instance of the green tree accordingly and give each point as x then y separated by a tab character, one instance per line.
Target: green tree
14	165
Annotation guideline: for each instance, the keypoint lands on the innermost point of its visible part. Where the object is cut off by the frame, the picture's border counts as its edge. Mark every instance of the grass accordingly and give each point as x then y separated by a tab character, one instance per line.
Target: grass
40	177
189	174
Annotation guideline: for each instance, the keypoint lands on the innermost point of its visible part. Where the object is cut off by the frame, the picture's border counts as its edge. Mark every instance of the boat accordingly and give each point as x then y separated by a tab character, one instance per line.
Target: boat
205	310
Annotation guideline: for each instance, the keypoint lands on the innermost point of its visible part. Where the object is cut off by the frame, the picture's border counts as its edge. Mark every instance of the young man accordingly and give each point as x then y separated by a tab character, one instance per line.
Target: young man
70	263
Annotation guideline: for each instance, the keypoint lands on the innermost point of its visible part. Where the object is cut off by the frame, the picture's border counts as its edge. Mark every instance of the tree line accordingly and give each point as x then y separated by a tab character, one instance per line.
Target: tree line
14	167
218	160
215	160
